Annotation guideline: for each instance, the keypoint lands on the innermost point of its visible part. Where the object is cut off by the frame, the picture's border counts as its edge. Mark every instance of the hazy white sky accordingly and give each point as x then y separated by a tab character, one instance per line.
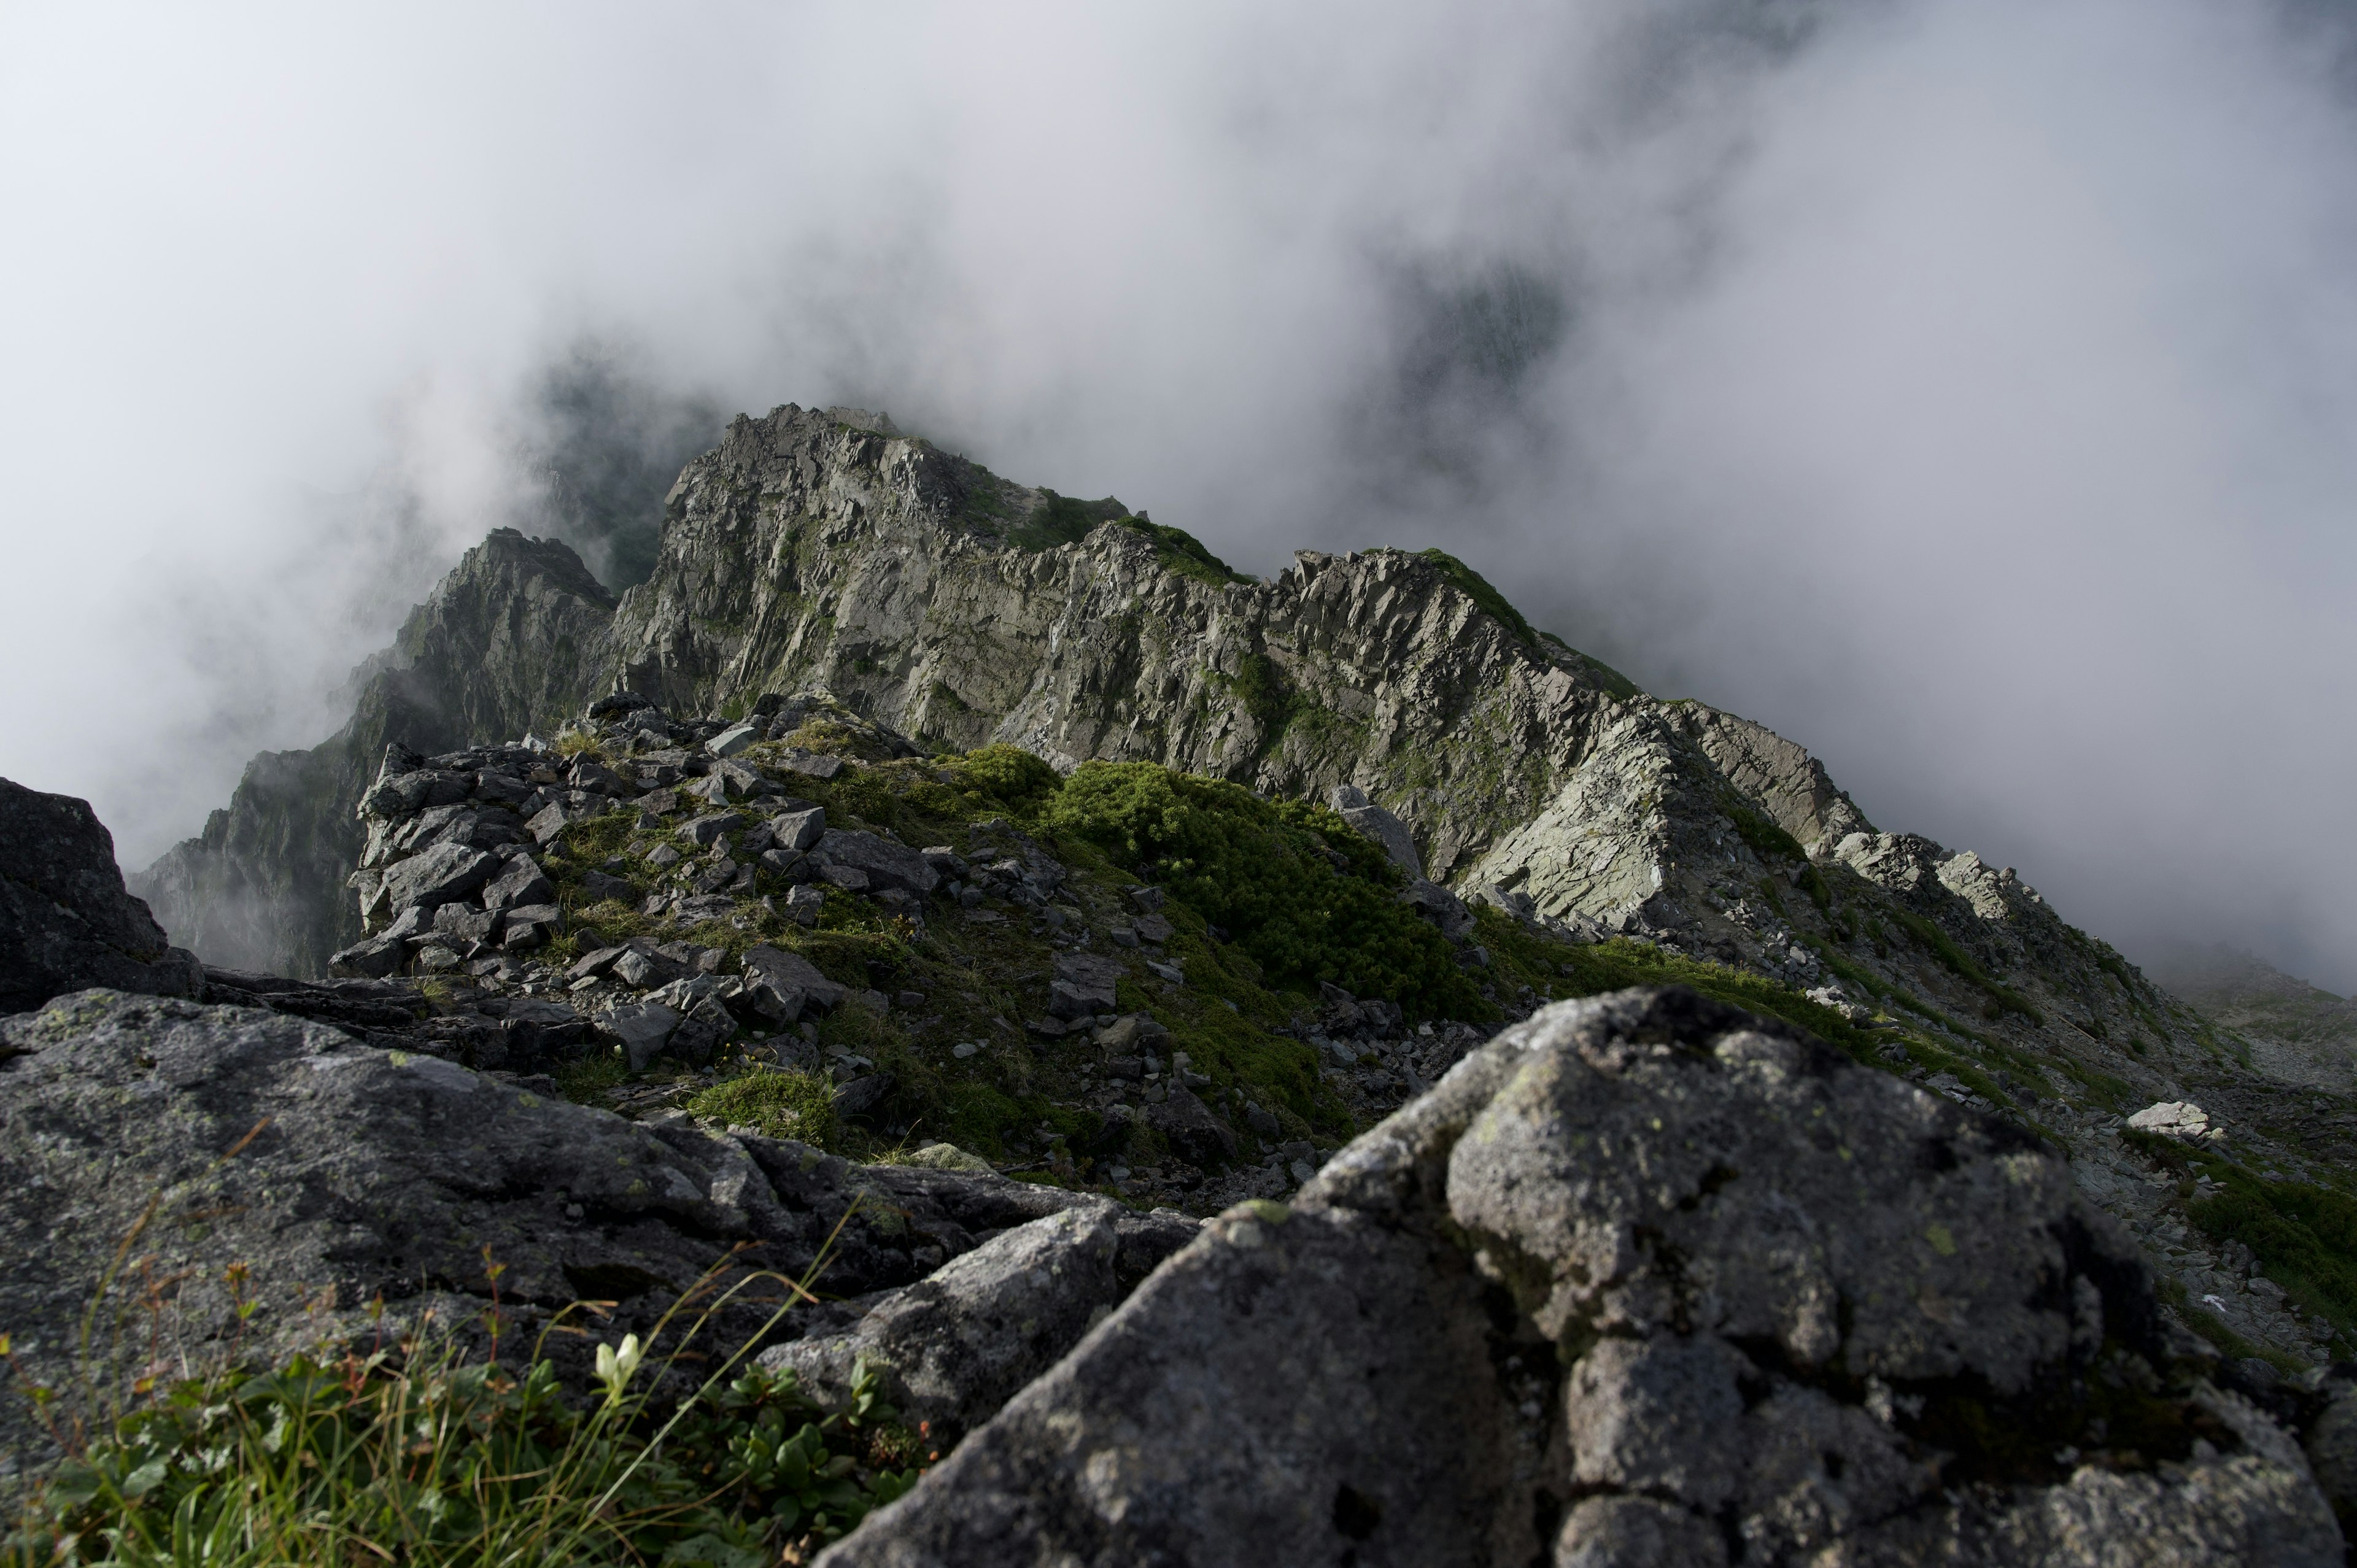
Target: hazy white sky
1966	390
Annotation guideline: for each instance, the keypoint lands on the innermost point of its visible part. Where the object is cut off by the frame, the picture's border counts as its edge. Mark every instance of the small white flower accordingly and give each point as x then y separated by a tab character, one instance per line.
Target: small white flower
615	1368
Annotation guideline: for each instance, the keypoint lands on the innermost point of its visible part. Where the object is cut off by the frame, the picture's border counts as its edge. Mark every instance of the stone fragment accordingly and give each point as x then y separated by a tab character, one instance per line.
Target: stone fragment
734	740
850	878
855	1097
1351	803
531	926
955	1346
1084	985
371	958
803	904
791	973
1194	1133
882	862
521	881
1152	927
706	831
598	886
2173	1119
641	1028
461	926
591	965
704	1030
442	874
797	831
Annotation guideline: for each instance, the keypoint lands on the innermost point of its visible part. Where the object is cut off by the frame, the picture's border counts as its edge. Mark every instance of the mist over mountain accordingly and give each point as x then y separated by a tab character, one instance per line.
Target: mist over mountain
1964	391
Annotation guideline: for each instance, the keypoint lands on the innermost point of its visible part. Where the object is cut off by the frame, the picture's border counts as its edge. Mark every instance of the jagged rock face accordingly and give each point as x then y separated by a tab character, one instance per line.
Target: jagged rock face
371	1172
510	640
66	922
1645	1281
804	552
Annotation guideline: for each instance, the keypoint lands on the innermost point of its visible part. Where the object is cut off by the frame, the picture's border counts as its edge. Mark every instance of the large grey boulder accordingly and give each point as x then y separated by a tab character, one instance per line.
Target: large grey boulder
1646	1279
955	1346
66	921
1352	804
337	1172
883	862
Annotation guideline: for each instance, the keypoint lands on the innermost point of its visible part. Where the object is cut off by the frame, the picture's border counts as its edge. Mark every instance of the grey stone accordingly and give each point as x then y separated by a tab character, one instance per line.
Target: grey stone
371	957
797	831
1153	928
850	878
706	831
955	1346
861	1095
1194	1133
1768	1269
598	886
882	862
790	973
641	1028
66	921
462	925
704	1030
594	964
1084	985
734	740
1352	804
521	881
531	926
548	824
443	874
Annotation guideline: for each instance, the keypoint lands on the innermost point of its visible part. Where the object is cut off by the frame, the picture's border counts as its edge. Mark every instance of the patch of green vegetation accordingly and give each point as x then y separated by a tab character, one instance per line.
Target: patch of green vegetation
2305	1236
1606	676
433	1452
1182	553
1239	862
1566	969
777	1103
1008	776
1492	602
584	1080
1064	519
1959	963
1264	692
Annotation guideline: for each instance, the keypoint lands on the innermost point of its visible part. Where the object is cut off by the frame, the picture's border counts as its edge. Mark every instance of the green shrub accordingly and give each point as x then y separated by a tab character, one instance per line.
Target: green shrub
1008	775
431	1453
777	1104
2305	1236
1182	553
1240	864
1064	519
1262	691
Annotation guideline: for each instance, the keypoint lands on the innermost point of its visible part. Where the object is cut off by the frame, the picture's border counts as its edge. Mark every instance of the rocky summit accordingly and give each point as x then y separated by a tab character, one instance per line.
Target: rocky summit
1303	1070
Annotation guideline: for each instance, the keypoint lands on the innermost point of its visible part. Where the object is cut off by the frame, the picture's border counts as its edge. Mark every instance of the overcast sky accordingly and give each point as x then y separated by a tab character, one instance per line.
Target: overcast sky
1966	390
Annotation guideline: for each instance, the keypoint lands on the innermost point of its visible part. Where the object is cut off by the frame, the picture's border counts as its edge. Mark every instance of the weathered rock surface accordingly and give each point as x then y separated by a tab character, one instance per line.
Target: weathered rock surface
337	1172
66	921
1645	1280
957	1345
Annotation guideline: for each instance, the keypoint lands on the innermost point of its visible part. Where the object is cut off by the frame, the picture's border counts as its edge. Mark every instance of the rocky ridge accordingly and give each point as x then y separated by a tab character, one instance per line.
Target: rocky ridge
823	551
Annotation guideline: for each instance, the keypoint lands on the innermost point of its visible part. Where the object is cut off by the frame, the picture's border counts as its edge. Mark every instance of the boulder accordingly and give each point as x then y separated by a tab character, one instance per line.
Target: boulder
734	740
641	1028
443	874
1672	1280
1195	1134
1084	985
955	1346
1351	803
2173	1119
521	881
795	831
790	975
883	862
706	831
66	921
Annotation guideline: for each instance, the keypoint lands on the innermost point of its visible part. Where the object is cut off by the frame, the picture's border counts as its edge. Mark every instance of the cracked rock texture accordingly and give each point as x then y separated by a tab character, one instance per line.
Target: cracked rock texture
1646	1279
370	1172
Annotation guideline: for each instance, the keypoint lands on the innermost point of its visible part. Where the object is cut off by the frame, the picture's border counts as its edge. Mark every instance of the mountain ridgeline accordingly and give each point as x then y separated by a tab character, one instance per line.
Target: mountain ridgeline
824	552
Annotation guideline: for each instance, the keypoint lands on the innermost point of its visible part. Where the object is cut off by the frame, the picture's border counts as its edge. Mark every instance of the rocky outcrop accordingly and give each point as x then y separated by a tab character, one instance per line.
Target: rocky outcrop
1645	1281
194	1136
510	640
66	922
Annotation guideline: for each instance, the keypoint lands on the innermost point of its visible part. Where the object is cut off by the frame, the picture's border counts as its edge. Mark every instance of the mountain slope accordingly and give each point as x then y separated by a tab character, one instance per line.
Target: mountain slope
505	643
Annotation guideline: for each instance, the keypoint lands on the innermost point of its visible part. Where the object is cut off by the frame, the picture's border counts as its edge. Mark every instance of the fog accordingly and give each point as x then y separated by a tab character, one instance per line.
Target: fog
1966	390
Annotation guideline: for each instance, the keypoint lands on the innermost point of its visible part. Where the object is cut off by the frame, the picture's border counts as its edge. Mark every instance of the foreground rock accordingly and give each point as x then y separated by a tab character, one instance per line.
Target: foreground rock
1645	1281
66	921
338	1174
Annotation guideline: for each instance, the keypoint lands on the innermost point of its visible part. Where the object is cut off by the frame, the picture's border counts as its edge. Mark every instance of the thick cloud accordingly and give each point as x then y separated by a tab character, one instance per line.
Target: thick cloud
1964	389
